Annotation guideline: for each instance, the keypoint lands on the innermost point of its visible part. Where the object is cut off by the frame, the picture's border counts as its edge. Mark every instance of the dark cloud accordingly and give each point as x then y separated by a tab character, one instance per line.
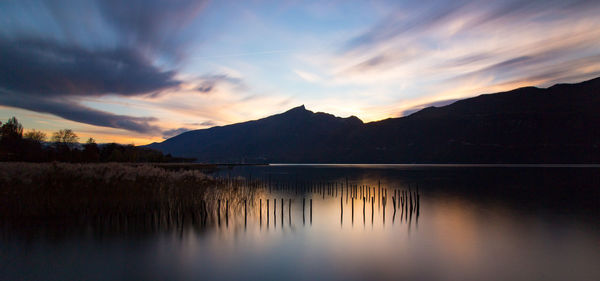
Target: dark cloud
55	53
426	105
49	69
154	24
47	77
174	132
76	112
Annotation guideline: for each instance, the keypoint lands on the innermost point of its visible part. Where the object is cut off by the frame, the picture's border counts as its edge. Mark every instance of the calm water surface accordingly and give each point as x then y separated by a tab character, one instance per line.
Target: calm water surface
466	223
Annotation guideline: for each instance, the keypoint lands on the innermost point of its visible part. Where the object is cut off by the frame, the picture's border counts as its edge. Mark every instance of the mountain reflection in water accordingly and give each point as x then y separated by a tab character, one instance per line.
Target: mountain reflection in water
340	223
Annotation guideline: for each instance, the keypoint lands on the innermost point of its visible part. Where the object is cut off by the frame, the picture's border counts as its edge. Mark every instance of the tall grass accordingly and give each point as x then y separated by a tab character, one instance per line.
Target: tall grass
63	190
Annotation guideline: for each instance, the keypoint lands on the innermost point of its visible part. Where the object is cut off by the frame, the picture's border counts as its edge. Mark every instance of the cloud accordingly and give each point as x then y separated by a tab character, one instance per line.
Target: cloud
79	113
205	124
46	77
49	69
208	83
174	132
307	76
152	25
440	50
418	17
56	54
439	103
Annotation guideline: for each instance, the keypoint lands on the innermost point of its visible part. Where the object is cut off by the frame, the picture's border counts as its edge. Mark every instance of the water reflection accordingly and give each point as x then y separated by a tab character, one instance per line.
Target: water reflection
340	224
284	204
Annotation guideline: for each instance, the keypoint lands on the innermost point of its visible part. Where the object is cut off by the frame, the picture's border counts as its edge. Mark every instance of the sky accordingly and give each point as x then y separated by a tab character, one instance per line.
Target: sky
140	71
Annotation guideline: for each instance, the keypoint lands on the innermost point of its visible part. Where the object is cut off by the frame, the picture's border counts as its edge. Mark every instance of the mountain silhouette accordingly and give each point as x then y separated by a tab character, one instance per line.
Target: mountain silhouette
560	124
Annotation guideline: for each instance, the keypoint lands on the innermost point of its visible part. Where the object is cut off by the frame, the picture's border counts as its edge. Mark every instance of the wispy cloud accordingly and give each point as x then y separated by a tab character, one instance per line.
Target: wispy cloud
440	50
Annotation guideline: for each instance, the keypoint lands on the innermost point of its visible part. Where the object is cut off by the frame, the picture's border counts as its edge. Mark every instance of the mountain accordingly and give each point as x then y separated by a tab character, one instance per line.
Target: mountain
560	124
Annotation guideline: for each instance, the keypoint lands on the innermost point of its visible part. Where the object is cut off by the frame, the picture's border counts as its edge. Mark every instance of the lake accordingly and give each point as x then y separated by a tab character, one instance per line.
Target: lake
343	222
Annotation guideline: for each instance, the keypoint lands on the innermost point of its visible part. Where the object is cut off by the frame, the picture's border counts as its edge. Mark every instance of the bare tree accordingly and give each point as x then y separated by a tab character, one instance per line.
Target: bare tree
65	137
34	135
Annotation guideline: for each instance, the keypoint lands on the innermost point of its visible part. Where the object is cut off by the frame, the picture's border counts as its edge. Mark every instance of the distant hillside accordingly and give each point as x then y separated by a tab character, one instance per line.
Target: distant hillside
560	124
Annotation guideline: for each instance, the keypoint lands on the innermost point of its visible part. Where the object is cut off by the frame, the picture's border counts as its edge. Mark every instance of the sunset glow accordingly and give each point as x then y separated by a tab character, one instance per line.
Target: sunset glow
151	70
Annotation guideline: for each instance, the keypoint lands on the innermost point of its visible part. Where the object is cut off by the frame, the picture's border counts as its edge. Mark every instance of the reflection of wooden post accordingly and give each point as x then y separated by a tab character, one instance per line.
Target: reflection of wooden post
303	204
410	197
373	207
418	203
352	211
260	212
384	203
290	211
364	203
219	211
311	211
342	206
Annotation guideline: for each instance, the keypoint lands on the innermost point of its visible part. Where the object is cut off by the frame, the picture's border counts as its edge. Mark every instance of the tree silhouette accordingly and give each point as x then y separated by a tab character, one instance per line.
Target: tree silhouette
37	136
11	134
31	147
12	129
65	137
91	153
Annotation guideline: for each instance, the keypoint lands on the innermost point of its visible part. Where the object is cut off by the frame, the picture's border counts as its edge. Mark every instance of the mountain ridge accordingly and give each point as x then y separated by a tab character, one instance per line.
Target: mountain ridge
558	124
